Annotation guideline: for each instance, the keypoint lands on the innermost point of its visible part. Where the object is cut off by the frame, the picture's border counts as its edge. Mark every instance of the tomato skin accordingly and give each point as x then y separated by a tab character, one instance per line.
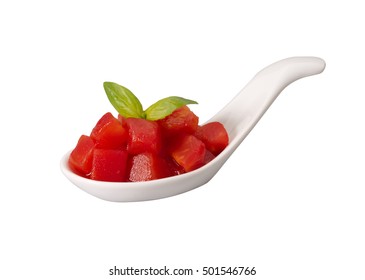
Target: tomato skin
109	165
109	133
80	159
144	136
214	136
189	152
182	120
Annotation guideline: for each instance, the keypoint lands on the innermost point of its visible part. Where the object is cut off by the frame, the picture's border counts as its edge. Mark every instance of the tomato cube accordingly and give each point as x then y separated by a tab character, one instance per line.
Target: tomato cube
147	166
189	152
109	133
80	159
214	136
144	136
109	165
182	120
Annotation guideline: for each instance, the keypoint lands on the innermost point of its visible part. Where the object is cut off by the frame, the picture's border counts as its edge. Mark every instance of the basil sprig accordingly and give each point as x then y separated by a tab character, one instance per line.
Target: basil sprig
128	105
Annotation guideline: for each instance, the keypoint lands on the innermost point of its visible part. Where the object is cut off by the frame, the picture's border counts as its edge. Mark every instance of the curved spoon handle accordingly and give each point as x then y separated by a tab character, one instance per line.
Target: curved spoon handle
246	109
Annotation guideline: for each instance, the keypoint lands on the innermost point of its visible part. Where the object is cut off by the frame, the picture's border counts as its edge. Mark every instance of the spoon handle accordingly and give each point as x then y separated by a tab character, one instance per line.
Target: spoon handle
246	109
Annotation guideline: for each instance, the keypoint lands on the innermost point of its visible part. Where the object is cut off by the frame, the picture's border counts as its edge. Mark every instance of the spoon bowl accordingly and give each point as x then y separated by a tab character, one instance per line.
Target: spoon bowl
239	117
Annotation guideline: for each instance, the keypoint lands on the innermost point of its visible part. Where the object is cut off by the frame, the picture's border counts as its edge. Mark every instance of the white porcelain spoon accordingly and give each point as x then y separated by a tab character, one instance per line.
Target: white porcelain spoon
239	117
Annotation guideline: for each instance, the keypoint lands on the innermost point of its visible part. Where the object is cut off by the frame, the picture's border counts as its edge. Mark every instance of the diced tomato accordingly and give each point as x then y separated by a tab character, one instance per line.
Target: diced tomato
182	120
80	159
144	136
109	165
147	166
134	149
189	152
109	133
214	136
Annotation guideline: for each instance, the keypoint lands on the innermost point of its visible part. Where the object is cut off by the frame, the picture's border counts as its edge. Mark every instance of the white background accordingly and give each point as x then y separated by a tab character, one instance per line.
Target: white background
289	202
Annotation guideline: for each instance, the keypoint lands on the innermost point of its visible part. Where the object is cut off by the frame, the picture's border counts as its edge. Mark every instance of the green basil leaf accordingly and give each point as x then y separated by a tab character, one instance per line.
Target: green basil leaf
123	100
165	107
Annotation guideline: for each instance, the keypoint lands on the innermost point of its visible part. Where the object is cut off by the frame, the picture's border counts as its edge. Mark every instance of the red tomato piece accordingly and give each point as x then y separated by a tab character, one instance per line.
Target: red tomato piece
144	136
182	120
147	166
189	152
80	159
109	133
214	136
109	165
